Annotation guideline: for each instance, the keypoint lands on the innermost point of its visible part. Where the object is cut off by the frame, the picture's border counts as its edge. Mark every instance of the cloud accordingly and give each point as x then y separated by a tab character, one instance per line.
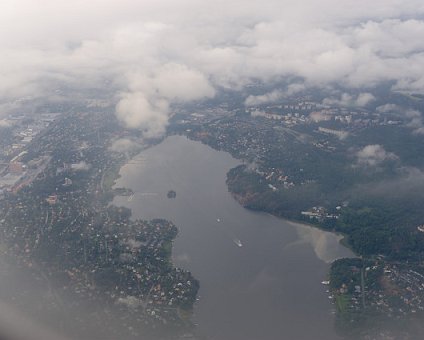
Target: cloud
373	155
364	99
295	88
415	121
389	108
275	95
146	106
414	118
136	111
180	83
158	53
348	100
266	98
408	183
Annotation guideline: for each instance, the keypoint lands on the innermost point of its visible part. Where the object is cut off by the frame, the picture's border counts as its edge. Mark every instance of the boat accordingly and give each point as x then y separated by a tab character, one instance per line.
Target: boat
218	220
325	283
238	242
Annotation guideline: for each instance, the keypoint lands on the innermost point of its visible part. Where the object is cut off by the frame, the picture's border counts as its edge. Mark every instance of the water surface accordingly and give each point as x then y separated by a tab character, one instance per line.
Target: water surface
270	287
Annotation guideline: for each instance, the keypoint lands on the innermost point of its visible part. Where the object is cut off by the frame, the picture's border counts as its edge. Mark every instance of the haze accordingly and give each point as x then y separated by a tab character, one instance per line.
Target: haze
145	56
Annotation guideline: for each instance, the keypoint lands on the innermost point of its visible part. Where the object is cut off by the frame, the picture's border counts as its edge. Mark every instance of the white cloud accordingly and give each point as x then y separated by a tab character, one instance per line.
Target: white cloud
275	95
156	53
136	111
266	98
178	82
416	121
372	155
388	108
146	104
346	99
414	118
364	99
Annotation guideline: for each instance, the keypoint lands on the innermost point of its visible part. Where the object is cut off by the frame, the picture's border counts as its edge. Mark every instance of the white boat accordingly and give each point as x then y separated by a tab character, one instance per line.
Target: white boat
238	242
218	220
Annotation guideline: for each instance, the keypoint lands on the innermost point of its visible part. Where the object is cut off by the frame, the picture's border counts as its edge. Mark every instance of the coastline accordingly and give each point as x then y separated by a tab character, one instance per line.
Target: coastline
342	237
241	199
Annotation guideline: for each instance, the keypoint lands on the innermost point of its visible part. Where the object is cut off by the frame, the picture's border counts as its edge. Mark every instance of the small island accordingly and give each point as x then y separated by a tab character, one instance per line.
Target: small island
123	192
171	194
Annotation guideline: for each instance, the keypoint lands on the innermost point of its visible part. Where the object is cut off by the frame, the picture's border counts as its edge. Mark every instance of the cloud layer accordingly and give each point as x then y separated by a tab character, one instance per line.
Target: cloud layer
151	54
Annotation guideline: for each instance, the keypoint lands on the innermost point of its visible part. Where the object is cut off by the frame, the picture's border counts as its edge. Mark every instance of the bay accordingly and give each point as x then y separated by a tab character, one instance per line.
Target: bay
260	276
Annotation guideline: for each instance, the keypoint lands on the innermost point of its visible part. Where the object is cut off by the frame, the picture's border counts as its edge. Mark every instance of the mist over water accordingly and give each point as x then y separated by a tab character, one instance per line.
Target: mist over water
270	287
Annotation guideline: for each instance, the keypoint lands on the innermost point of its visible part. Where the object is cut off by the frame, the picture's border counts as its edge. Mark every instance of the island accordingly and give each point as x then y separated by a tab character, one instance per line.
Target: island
123	192
171	194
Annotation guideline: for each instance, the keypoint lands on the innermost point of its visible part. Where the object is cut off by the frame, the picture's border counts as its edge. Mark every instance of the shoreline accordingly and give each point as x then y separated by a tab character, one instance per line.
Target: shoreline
238	198
342	237
110	193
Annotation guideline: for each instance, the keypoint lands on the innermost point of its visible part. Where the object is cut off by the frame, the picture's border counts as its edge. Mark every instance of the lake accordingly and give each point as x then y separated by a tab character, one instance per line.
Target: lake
260	276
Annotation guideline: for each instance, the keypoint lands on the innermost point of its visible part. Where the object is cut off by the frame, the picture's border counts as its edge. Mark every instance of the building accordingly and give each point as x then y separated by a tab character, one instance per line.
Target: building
16	168
52	199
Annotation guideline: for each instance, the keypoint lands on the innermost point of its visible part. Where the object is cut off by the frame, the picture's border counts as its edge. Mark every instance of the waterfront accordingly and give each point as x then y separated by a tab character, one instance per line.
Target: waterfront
268	288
